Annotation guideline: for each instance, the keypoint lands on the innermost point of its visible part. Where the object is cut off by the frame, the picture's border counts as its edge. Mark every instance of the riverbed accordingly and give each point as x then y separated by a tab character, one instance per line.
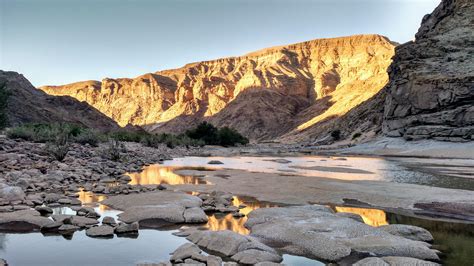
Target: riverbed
453	238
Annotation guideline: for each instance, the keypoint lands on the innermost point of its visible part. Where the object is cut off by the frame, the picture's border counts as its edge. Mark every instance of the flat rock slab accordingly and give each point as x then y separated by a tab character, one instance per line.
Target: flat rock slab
315	231
123	202
100	231
240	248
393	261
158	209
23	221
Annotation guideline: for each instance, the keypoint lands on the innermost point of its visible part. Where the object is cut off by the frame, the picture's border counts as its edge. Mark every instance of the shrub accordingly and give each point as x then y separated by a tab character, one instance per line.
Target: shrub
3	106
336	134
229	137
59	148
210	135
129	136
205	132
88	137
114	150
356	135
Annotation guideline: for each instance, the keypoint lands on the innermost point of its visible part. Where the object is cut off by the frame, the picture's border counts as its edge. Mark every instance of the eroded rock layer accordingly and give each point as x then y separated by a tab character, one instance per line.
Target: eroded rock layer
431	88
264	94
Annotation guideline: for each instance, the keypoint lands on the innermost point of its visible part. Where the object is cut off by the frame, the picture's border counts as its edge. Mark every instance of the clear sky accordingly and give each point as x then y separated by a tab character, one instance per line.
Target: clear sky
55	42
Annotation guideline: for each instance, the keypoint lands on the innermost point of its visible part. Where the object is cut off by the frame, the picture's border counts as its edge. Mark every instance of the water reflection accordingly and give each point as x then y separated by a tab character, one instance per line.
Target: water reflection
219	221
373	217
88	198
400	170
157	174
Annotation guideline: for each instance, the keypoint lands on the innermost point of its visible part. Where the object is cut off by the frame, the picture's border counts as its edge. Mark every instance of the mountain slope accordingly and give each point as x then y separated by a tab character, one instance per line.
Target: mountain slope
264	94
26	104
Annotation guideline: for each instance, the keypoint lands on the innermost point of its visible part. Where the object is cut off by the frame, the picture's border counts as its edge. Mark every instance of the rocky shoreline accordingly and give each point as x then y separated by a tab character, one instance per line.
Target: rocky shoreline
34	184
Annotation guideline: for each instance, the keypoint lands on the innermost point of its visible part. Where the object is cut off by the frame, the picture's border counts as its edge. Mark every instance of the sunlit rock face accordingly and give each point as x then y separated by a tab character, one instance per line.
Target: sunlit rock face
431	89
264	94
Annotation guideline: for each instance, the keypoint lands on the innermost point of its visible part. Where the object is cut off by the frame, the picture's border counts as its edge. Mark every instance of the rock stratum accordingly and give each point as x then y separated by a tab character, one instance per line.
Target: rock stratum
26	104
285	91
431	88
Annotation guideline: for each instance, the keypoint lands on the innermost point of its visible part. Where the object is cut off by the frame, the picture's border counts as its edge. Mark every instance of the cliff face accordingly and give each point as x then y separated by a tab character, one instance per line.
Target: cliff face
26	104
431	88
276	91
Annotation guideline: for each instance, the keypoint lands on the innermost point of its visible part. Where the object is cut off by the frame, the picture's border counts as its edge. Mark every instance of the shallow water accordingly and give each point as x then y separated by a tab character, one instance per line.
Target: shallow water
454	239
449	173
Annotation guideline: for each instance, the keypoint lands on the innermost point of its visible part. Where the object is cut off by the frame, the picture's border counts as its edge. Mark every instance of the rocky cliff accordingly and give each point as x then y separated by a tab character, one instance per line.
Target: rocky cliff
285	90
431	88
26	104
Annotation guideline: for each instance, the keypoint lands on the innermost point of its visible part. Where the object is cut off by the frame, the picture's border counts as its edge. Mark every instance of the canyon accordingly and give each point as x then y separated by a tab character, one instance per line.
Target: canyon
286	90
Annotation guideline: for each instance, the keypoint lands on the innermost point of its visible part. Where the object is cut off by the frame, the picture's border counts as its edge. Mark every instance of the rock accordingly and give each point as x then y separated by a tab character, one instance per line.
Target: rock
74	220
401	261
371	261
229	243
195	215
354	216
23	221
185	251
254	256
215	162
51	227
123	228
64	201
44	210
68	228
430	89
154	216
109	221
315	231
408	231
156	209
52	198
100	231
11	193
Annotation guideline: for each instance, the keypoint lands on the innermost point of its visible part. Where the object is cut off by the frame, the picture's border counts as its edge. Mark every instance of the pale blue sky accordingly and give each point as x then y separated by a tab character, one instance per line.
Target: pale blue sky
62	41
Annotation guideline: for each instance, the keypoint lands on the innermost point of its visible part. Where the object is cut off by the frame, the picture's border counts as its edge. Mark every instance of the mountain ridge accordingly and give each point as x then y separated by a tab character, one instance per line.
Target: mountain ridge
305	72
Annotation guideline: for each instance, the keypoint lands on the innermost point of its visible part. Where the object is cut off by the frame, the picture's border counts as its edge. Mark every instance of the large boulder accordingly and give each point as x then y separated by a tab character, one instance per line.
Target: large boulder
315	231
240	248
408	231
11	193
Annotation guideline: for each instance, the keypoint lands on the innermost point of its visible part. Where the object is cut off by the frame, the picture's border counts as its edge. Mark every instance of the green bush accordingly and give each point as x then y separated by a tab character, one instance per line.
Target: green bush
89	137
210	135
128	136
229	137
3	106
205	132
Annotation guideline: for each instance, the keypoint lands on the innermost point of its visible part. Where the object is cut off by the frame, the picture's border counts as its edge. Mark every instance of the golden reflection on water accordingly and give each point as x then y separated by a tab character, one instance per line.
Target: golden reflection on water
371	217
228	222
88	197
157	174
